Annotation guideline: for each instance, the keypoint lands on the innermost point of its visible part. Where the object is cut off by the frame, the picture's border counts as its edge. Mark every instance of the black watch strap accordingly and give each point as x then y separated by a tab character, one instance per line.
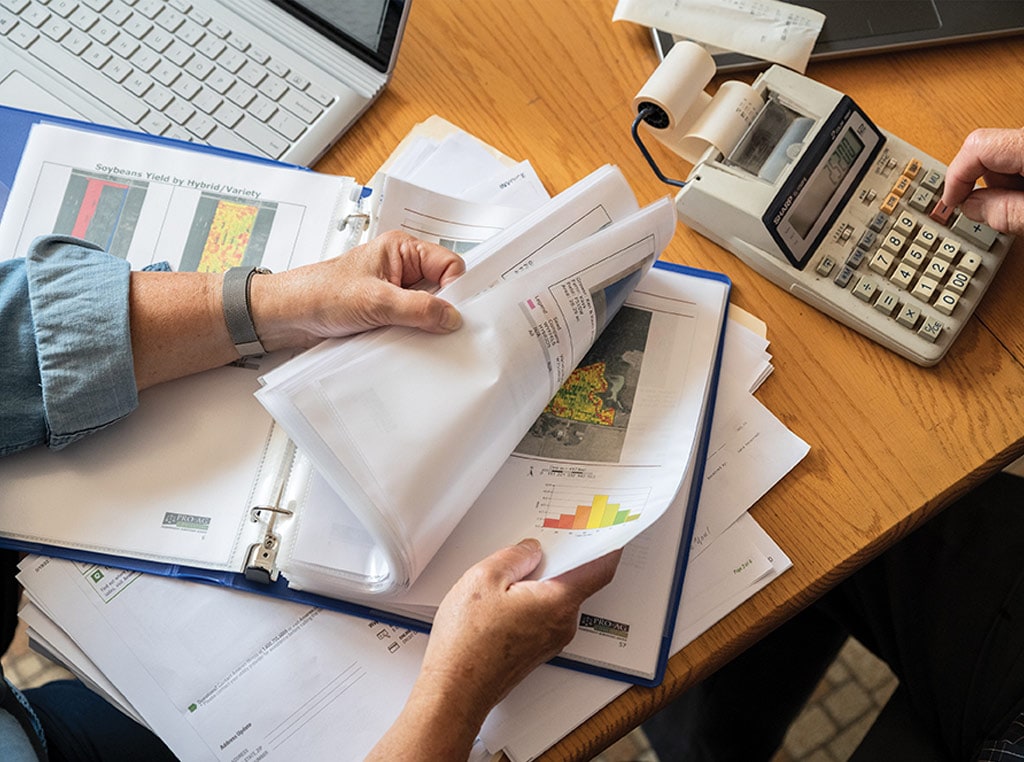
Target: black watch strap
238	310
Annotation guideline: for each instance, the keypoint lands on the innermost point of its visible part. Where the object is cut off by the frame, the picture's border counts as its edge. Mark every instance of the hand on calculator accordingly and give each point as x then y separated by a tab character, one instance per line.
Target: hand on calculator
997	157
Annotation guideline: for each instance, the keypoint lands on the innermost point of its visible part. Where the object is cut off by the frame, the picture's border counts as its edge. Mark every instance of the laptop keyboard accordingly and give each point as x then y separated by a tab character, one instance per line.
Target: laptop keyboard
171	69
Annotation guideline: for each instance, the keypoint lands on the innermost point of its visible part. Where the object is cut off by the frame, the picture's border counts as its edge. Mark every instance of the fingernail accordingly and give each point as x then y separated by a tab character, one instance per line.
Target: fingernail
530	544
450	319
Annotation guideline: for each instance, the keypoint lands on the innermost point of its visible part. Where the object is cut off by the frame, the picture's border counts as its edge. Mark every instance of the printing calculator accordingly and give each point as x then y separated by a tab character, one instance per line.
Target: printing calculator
845	216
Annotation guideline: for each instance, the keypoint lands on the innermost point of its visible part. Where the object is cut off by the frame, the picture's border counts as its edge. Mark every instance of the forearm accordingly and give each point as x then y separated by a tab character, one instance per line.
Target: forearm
177	325
432	726
83	333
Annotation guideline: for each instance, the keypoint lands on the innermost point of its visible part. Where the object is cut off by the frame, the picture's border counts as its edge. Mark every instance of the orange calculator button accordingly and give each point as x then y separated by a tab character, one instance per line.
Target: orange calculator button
889	205
901	186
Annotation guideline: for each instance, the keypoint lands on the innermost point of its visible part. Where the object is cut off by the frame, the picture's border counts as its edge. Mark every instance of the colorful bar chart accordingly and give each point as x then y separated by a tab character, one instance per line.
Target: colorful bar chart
600	513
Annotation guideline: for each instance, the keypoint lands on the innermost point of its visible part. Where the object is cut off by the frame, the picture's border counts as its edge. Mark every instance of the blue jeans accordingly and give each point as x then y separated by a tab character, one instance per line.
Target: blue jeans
81	726
14	743
944	608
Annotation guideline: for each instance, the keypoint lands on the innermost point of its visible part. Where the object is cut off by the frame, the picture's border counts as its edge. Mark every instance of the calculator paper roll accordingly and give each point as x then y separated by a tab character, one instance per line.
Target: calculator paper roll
723	122
697	121
677	87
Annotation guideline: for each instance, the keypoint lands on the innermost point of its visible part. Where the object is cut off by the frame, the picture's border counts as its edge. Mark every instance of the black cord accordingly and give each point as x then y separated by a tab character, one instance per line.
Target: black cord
648	112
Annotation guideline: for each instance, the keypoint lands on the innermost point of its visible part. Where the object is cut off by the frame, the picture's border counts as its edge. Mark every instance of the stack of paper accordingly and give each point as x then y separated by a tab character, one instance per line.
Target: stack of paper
199	664
461	403
731	559
117	630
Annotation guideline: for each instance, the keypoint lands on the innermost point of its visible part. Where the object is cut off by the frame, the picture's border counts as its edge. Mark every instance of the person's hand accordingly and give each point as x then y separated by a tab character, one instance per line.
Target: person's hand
364	288
997	157
492	629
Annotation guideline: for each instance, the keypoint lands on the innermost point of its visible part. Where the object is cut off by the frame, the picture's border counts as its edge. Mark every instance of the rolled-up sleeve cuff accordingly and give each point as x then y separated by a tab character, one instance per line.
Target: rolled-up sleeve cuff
79	299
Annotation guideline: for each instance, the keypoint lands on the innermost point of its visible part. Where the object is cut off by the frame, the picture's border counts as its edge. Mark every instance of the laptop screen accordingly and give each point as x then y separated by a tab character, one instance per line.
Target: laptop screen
367	28
871	26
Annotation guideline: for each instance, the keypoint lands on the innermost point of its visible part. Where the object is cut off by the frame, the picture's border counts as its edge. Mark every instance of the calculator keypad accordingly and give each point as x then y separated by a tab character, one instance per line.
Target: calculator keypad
914	259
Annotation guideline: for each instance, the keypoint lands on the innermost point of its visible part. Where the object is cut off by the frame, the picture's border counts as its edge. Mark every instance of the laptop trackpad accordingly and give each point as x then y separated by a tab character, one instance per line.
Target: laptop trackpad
18	91
845	21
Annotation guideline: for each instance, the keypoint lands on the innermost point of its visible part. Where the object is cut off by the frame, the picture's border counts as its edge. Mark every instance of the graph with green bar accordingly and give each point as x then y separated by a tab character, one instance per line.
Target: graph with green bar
599	510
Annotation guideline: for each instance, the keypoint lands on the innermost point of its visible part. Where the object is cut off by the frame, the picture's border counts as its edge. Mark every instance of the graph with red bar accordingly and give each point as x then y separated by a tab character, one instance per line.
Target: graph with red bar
596	511
102	209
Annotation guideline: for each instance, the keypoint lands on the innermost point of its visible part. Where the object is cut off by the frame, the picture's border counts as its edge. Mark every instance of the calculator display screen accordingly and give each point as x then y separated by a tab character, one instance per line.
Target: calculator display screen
826	183
816	190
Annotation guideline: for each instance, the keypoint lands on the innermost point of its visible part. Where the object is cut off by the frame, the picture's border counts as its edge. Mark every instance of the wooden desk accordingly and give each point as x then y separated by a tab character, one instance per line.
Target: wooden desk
891	443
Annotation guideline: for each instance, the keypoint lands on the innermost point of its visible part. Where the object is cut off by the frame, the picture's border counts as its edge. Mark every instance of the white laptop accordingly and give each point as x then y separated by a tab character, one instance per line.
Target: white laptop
856	27
277	78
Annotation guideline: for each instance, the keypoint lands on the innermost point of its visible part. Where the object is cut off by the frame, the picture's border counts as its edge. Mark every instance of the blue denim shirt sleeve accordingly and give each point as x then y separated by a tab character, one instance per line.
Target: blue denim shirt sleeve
65	340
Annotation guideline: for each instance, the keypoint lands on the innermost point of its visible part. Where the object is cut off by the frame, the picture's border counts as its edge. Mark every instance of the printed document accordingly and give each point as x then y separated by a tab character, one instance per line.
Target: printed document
462	402
230	676
122	640
603	435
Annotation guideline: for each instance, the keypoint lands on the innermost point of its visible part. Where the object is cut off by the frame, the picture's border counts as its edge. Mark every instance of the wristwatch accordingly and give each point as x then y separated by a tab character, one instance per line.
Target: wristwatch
238	310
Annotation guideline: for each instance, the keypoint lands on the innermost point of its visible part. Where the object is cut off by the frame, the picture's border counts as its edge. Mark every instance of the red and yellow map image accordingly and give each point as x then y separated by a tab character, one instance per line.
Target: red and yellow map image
588	417
583	397
227	232
228	237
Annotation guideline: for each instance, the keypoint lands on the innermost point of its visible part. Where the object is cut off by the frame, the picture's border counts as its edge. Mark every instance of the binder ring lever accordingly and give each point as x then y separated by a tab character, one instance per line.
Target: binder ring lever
254	512
261	562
